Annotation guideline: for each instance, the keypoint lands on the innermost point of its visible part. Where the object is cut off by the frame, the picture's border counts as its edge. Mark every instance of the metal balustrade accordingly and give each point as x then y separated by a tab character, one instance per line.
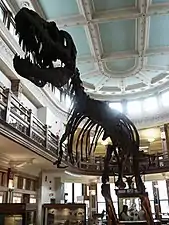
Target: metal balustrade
13	112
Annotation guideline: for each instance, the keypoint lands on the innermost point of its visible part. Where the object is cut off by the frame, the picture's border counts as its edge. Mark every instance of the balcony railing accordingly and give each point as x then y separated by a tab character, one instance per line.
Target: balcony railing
21	119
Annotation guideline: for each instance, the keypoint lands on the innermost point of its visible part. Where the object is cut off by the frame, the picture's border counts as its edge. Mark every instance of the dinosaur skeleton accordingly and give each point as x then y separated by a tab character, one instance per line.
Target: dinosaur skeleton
46	44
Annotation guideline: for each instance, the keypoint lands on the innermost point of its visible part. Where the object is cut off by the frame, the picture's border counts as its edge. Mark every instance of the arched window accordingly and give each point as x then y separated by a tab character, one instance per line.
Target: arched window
116	105
134	107
150	104
77	191
68	190
164	98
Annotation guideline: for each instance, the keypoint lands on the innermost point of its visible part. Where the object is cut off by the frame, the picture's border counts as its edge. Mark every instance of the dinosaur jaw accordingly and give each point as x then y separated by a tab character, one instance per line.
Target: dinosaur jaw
25	68
34	37
58	76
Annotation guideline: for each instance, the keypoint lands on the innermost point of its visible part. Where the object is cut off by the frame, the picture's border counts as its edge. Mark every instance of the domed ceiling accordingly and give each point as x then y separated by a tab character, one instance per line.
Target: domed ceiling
123	45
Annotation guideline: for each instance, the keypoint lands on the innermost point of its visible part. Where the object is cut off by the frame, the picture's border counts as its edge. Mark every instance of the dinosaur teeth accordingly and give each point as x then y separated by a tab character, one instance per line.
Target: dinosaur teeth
40	47
20	40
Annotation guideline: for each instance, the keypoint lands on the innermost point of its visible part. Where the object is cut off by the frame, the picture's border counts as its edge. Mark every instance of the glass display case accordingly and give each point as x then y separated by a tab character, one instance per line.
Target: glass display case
17	214
129	207
68	214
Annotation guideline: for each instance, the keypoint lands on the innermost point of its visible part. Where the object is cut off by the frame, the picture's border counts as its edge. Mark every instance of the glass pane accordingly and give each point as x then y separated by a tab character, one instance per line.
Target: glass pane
1	14
150	104
116	207
100	198
152	206
77	191
113	193
17	199
12	29
164	206
68	101
101	207
32	200
164	98
57	93
134	107
162	187
149	189
116	105
87	208
68	190
1	197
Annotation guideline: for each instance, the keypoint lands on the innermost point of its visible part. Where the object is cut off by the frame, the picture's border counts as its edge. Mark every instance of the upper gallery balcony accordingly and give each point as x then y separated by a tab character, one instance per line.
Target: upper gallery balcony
16	118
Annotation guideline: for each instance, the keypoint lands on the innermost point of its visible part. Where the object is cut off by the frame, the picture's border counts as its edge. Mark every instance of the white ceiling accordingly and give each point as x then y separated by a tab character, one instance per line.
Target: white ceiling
123	46
24	160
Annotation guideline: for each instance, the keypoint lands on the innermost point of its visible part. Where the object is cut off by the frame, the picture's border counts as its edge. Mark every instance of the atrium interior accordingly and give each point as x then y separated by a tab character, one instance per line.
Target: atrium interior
123	59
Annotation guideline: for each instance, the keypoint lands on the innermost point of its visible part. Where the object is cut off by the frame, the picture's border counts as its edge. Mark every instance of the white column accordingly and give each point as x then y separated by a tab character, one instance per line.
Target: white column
50	188
163	130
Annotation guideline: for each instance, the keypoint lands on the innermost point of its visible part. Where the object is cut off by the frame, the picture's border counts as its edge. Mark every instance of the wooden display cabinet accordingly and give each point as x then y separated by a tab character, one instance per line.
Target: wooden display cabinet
67	214
17	214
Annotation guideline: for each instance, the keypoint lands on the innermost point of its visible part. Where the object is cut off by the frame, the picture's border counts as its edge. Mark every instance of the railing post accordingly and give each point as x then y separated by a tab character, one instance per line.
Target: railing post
46	136
8	93
57	143
30	122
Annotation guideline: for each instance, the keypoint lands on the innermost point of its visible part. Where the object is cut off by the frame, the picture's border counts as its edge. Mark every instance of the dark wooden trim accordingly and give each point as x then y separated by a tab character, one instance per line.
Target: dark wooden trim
73	192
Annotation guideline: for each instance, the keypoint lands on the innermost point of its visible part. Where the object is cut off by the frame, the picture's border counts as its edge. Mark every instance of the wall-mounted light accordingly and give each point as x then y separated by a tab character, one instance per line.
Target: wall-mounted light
151	140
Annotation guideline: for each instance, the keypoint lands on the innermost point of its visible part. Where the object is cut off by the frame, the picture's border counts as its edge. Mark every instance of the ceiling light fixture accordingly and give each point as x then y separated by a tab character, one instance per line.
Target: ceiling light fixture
72	174
151	140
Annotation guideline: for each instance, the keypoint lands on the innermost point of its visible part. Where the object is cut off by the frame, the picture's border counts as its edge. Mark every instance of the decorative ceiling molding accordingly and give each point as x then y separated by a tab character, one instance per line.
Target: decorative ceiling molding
125	55
21	163
98	85
89	19
37	7
156	68
110	15
92	32
13	4
143	78
152	120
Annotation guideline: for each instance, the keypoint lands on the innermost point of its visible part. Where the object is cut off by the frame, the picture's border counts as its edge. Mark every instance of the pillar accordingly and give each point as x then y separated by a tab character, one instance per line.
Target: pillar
164	140
92	199
124	106
167	184
50	190
16	87
156	200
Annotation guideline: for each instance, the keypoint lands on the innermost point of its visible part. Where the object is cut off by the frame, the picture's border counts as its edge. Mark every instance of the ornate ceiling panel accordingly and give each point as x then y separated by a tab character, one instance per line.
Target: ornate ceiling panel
123	45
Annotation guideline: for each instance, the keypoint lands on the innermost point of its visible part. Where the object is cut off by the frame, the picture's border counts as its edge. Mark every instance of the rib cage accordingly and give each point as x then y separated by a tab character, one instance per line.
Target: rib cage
97	117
